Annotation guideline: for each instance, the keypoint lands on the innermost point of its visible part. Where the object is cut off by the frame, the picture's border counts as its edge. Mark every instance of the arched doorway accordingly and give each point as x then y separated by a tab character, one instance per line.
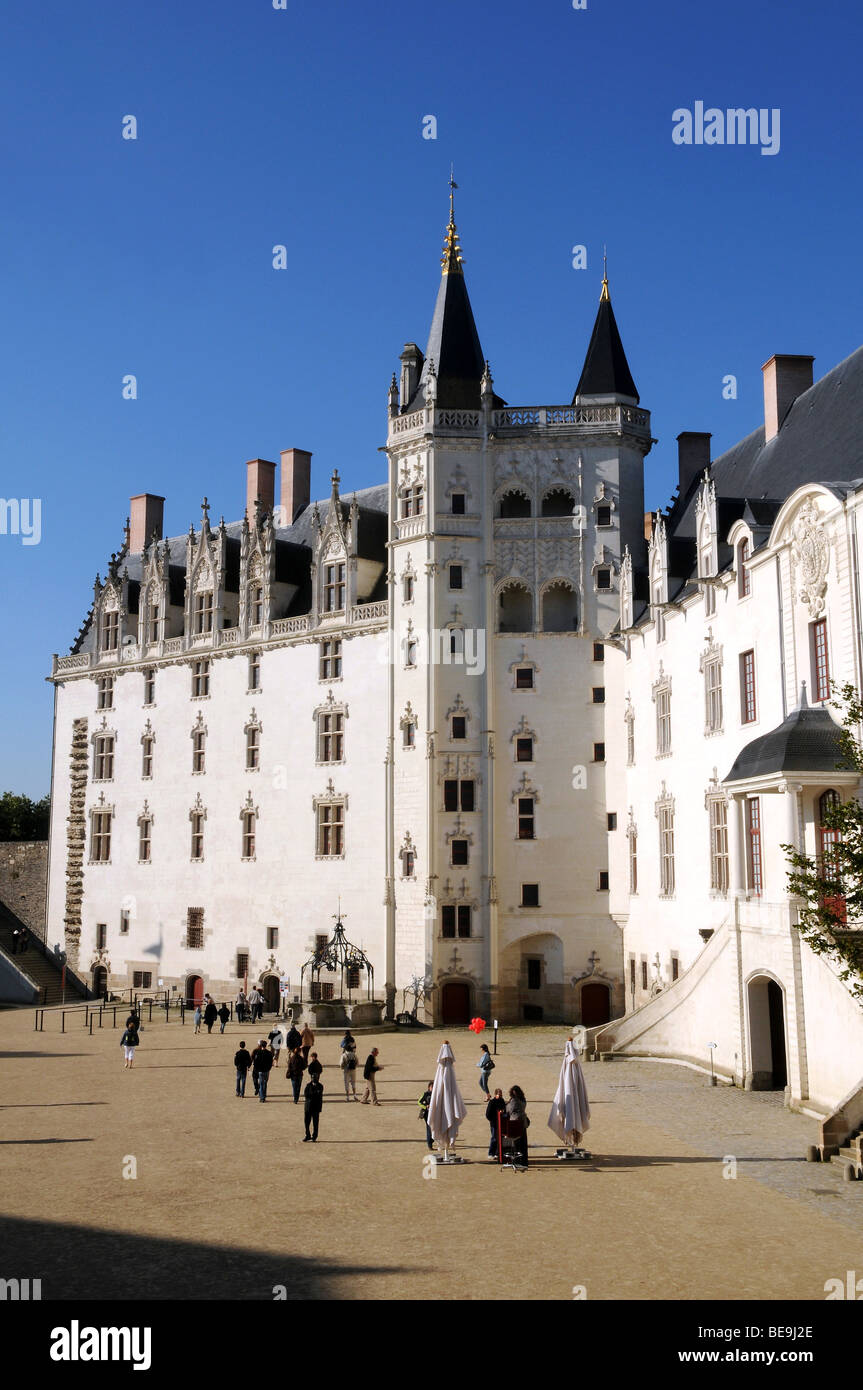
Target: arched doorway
100	982
194	991
271	994
595	1004
455	1004
768	1064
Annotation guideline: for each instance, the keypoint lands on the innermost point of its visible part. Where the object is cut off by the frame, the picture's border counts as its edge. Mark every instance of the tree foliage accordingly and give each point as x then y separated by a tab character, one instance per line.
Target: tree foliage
830	884
23	819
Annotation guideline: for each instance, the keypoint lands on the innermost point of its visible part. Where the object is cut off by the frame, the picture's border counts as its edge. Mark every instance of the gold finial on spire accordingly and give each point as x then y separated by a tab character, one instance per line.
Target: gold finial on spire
605	294
452	259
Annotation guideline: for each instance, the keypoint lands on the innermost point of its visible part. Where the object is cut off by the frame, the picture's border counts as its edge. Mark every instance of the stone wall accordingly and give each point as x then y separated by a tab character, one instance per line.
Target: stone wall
24	880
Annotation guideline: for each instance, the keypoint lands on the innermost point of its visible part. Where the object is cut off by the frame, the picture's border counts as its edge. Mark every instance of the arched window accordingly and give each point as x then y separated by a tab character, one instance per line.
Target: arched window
514	503
515	613
559	608
558	501
829	839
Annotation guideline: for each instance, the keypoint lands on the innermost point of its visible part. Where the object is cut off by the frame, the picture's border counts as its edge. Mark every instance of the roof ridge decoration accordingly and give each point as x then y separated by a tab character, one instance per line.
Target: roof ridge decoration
452	258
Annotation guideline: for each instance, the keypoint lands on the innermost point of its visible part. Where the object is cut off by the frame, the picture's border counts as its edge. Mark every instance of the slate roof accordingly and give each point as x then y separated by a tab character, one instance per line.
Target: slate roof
606	370
807	741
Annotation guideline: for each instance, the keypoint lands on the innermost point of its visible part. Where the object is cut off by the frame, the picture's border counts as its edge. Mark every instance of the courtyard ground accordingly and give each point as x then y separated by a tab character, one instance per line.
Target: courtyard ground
228	1202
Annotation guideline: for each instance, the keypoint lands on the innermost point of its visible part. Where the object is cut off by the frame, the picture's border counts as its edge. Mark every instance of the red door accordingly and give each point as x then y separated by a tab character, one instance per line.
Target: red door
455	1004
594	1005
194	991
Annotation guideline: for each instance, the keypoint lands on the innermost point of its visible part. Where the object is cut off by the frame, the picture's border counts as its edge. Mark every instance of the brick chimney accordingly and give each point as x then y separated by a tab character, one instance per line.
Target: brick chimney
785	378
693	456
296	483
146	515
260	484
648	526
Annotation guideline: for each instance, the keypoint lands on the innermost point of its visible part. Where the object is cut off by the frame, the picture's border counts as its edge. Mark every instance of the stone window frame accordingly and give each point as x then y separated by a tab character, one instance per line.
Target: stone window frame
408	850
252	726
197	820
148	744
249	817
330	708
333	799
101	808
255	667
711	662
409	721
662	687
326	655
632	854
145	818
665	813
523	661
203	675
198	735
105	687
714	798
96	739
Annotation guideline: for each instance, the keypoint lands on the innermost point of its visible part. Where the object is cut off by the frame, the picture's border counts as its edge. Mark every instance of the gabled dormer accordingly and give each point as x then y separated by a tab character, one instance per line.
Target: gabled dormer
657	562
257	572
154	599
334	569
627	592
707	542
206	564
111	622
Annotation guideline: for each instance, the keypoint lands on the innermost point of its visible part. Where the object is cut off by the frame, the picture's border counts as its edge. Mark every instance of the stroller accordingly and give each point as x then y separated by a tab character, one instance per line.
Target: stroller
512	1143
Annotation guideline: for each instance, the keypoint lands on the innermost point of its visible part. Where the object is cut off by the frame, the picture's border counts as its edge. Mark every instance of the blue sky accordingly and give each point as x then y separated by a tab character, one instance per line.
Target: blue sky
304	127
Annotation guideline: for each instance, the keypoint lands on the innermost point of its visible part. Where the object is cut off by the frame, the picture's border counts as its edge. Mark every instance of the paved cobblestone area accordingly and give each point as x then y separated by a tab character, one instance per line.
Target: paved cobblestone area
228	1202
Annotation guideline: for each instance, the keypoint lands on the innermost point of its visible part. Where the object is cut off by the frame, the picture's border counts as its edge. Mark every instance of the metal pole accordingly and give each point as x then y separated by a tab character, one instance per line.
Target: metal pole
86	1014
495	1037
91	1025
115	1015
63	1021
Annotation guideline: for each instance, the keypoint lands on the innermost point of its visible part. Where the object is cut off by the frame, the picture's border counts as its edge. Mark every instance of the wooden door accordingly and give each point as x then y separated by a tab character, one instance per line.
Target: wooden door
455	1004
595	1005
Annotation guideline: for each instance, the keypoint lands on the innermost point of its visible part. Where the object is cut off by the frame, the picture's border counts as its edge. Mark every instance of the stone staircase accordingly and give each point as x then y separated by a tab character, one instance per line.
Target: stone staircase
850	1156
39	964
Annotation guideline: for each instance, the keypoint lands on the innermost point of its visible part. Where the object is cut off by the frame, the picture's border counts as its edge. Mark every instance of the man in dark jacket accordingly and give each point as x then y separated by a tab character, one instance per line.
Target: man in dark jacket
242	1061
265	1066
211	1013
424	1102
224	1014
256	1070
296	1067
314	1094
369	1072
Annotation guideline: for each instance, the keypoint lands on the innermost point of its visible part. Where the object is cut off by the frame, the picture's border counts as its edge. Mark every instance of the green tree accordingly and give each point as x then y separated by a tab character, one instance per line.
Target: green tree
23	819
831	884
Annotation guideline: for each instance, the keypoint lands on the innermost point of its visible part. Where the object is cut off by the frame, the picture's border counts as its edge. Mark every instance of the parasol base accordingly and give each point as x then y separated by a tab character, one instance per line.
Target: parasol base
571	1153
447	1160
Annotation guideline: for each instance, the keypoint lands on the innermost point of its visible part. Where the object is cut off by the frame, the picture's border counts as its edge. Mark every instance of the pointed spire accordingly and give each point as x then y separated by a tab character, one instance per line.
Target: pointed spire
452	259
604	294
606	370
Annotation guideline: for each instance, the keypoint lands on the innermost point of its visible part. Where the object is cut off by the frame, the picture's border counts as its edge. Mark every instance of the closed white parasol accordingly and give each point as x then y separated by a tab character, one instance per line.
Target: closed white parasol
446	1107
569	1117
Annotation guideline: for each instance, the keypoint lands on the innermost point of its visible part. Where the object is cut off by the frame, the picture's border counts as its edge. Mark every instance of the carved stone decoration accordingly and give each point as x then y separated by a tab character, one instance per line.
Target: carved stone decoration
76	829
810	552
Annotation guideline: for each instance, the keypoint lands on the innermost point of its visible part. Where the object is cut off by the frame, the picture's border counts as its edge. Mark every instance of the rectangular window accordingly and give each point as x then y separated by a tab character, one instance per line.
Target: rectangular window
105	692
633	862
603	514
200	679
534	974
197	823
526	825
675	969
744	583
663	721
142	979
101	935
195	928
272	938
644	974
321	943
603	881
599	694
242	965
524	750
110	631
254	670
103	758
256	604
408	863
408	588
459	853
331	830
253	748
100	837
409	730
353	976
153	628
447	925
456	920
603	579
457	502
334	587
747	687
632	975
599	752
598	651
524	678
144	832
718	810
530	895
330	661
713	696
125	917
150	687
456	576
202	616
147	744
753	836
331	735
459	795
820	664
630	740
459	726
199	750
666	851
249	820
611	820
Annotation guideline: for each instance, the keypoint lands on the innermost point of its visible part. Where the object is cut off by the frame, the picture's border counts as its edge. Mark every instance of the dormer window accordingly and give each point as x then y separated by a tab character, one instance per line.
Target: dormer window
743	578
202	618
110	630
334	587
256	604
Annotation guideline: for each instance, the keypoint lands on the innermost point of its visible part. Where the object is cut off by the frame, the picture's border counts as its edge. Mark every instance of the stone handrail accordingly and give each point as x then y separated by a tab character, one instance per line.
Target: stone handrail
283	627
361	612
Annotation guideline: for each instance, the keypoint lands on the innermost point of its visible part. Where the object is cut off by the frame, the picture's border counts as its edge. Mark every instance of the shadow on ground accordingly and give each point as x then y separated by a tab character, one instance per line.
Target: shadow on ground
77	1262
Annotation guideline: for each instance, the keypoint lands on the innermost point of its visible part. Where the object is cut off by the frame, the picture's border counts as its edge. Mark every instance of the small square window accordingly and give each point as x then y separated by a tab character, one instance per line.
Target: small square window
603	514
242	965
599	694
599	752
603	579
459	726
459	852
524	678
612	820
524	750
598	651
530	895
457	504
603	881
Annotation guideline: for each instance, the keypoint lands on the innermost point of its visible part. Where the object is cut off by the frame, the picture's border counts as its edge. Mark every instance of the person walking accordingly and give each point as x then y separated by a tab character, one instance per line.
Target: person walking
424	1102
348	1042
370	1071
242	1062
240	1004
198	1018
349	1072
307	1041
211	1013
486	1067
134	1021
315	1067
224	1014
256	1057
296	1067
275	1038
314	1100
516	1110
129	1042
265	1066
294	1039
492	1110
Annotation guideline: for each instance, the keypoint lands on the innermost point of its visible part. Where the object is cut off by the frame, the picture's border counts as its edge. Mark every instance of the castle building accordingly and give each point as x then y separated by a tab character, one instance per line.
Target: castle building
391	704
